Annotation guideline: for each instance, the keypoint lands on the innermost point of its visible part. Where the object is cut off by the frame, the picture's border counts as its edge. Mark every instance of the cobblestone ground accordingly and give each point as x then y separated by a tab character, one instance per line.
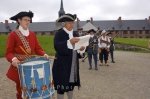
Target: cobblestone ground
128	78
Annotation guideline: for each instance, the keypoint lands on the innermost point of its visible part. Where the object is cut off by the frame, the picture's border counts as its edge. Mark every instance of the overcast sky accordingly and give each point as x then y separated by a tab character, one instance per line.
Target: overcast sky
47	10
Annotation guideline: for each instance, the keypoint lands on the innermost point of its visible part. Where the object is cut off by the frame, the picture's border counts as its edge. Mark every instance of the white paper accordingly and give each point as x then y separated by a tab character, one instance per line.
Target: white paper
84	41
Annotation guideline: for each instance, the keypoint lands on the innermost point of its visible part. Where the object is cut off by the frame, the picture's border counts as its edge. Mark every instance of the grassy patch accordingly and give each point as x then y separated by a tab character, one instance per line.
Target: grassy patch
3	39
45	41
133	41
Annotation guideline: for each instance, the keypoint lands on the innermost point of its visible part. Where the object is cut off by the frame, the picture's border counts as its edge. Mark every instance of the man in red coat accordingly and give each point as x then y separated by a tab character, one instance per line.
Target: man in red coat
17	49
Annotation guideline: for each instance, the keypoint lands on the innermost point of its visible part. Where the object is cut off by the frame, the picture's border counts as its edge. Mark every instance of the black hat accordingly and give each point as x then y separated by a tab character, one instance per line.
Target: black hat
91	30
67	18
108	33
21	14
80	28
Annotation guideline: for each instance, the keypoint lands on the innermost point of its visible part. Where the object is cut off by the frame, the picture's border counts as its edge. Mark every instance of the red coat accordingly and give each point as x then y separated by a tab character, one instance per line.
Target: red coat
13	44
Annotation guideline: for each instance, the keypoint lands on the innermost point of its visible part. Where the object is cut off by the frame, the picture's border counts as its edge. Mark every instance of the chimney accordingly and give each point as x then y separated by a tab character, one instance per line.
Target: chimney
7	25
145	19
6	22
119	19
78	25
92	20
87	21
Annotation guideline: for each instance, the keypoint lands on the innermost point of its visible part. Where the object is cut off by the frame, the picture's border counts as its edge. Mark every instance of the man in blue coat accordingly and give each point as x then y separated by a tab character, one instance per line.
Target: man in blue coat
66	65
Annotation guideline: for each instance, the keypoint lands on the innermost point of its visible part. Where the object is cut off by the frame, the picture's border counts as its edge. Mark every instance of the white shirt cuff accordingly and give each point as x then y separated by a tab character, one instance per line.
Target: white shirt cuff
69	45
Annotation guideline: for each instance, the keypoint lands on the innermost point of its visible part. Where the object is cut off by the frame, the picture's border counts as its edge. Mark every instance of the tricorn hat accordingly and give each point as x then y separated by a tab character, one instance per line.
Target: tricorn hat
67	18
108	33
21	14
91	30
80	28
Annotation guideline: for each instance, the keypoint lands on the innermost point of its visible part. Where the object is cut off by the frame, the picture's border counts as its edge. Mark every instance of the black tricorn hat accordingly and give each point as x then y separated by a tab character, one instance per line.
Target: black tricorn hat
91	30
21	14
67	18
109	33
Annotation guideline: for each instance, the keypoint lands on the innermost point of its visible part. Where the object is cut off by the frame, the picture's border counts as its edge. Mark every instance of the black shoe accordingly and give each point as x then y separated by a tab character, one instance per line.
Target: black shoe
90	68
96	68
113	61
101	64
106	64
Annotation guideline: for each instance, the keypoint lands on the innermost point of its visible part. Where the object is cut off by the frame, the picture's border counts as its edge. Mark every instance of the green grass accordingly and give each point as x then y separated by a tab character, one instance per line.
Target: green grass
140	42
3	39
45	41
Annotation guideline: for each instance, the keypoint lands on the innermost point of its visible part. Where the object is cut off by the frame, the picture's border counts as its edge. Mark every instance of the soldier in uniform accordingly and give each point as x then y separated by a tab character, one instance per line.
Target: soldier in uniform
21	44
92	49
104	44
112	47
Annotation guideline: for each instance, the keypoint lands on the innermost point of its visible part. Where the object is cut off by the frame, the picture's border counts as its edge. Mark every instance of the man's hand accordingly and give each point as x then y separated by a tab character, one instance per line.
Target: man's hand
82	48
74	40
15	62
99	50
46	56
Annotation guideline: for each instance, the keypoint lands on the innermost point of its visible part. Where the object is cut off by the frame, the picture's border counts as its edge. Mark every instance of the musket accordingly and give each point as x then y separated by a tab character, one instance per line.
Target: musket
102	41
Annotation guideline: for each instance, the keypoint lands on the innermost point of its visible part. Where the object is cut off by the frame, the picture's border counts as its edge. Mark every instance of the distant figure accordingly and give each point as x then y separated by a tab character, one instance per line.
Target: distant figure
112	47
149	44
92	49
80	32
104	44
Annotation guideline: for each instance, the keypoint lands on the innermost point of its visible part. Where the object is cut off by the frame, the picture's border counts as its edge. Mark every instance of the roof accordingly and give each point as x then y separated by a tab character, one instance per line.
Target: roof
102	24
123	25
36	26
89	26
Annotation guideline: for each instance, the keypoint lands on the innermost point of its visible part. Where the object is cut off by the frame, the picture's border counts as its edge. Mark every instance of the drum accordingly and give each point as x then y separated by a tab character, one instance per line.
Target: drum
35	77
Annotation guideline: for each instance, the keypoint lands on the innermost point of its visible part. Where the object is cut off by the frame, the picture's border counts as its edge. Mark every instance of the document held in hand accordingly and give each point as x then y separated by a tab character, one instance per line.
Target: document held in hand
84	41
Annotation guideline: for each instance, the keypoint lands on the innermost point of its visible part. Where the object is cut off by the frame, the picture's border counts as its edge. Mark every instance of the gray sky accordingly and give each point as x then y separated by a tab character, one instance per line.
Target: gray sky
47	10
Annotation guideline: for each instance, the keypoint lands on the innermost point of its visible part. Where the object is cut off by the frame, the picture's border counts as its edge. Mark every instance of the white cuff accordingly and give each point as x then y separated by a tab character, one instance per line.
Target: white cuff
14	58
81	52
69	45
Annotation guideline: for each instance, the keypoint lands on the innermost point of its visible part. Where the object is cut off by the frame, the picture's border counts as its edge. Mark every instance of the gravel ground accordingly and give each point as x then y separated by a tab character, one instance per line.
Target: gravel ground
128	78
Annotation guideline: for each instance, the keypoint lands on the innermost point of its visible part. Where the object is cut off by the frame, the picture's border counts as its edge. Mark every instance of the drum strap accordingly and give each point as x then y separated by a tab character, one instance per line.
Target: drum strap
24	41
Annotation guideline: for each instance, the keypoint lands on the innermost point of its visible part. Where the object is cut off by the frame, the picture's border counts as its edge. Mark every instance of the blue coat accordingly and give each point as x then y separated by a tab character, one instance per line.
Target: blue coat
62	64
